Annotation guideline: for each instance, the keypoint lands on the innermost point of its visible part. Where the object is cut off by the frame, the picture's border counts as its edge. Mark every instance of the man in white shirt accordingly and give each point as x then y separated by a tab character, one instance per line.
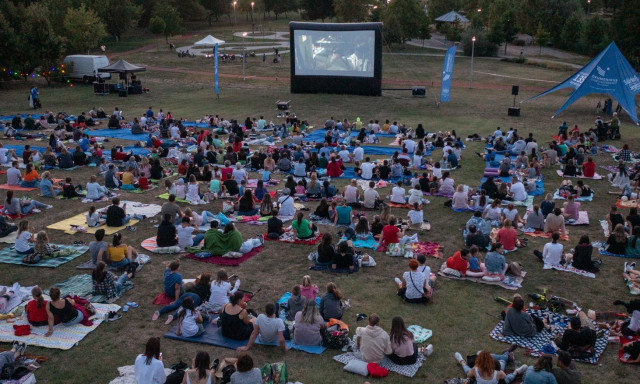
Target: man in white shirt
13	174
371	197
269	327
358	152
351	193
344	154
410	145
143	121
373	342
367	168
397	194
531	146
518	192
393	128
375	127
518	146
509	135
174	132
497	134
552	252
239	174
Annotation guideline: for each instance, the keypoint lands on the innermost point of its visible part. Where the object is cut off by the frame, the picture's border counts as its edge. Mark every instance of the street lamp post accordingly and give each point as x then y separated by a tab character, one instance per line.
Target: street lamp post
235	15
588	7
252	23
473	46
244	55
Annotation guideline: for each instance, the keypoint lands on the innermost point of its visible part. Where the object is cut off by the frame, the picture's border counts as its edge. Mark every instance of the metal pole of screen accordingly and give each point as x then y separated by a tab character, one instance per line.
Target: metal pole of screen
473	46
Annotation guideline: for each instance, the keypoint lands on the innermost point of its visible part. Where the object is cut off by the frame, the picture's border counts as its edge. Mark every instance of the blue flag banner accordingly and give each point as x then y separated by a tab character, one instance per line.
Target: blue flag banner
609	73
447	72
215	67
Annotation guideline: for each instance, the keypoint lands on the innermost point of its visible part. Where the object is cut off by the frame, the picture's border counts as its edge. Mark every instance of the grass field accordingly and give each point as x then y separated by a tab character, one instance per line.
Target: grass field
463	313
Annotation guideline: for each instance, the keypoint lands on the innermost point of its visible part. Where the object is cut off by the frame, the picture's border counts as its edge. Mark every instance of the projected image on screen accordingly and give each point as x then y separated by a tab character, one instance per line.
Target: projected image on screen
334	53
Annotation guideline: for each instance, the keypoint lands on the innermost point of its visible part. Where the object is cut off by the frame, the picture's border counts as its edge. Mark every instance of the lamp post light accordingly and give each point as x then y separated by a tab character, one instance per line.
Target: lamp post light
588	7
235	15
244	55
473	46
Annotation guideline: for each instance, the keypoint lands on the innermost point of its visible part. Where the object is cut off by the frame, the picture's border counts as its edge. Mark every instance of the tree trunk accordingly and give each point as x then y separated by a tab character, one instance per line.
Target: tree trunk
505	48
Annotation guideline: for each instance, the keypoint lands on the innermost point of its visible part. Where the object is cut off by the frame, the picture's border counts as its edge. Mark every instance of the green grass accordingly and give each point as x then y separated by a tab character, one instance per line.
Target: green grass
463	313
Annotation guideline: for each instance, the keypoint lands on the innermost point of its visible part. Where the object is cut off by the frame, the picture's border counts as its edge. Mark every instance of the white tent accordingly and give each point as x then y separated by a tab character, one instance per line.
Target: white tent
208	41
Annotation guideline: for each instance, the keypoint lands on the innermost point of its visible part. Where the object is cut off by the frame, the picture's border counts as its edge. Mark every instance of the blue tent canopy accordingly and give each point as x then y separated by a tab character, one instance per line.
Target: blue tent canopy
609	73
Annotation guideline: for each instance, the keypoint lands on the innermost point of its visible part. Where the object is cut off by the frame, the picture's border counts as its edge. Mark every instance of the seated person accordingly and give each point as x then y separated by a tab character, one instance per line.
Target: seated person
460	199
507	236
326	250
117	216
269	328
69	191
535	219
331	303
583	190
5	227
414	286
571	209
578	339
94	190
404	350
166	234
234	319
552	253
308	325
303	229
476	238
343	214
555	222
458	262
36	309
106	283
517	322
230	240
119	254
295	303
343	258
617	241
495	265
398	194
373	342
275	226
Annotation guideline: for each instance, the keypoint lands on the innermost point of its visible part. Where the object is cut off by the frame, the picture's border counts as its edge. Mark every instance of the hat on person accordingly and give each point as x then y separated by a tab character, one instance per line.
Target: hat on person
286	191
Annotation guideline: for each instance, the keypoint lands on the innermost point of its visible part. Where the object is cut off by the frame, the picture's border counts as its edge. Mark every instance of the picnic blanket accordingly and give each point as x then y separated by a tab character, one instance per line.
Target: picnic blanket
20	294
212	336
327	267
151	245
17	187
557	196
9	255
404	370
437	194
64	337
427	248
81	220
605	228
596	176
543	338
82	286
420	334
291	240
627	204
369	243
510	282
546	235
317	220
313	349
526	203
583	219
165	196
397	205
283	301
219	260
103	198
570	269
468	209
606	253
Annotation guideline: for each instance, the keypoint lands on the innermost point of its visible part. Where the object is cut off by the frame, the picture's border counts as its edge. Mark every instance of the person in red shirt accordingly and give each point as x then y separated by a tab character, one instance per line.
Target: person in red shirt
36	309
237	145
226	171
390	233
117	155
589	167
334	168
183	167
155	142
459	261
507	236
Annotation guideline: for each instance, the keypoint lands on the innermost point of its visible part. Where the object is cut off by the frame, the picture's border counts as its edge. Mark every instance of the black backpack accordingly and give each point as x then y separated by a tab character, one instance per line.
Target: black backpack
226	374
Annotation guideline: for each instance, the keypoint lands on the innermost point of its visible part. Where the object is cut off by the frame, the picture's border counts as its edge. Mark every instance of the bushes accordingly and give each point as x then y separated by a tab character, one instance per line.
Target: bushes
483	47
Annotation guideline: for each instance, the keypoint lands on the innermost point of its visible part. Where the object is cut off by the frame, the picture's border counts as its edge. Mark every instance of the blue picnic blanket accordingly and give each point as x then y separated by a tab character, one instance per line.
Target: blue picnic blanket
124	134
284	300
606	253
370	243
20	148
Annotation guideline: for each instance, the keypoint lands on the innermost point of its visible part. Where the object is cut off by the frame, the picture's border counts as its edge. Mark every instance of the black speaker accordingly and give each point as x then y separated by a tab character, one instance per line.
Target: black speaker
418	91
515	89
283	105
514	111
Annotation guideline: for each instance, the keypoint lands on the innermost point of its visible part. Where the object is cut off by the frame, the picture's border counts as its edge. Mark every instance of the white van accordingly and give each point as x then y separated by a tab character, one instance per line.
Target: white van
85	67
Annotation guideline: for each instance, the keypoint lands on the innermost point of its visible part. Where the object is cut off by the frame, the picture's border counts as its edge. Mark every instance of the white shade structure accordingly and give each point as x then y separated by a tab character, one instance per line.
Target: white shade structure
208	41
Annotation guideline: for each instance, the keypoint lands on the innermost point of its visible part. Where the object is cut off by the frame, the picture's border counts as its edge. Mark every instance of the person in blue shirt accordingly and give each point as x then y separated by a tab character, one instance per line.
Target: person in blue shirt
47	189
173	280
150	113
452	159
343	214
84	143
540	373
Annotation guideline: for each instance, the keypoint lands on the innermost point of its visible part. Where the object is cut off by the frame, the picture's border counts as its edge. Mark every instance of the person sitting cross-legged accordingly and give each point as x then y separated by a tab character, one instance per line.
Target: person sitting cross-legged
269	328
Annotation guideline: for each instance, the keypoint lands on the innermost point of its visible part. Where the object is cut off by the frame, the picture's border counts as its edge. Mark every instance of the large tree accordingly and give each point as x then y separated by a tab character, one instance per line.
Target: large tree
542	37
119	16
317	9
595	35
217	8
279	7
169	15
83	29
189	9
404	20
503	25
350	11
625	29
45	47
571	36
